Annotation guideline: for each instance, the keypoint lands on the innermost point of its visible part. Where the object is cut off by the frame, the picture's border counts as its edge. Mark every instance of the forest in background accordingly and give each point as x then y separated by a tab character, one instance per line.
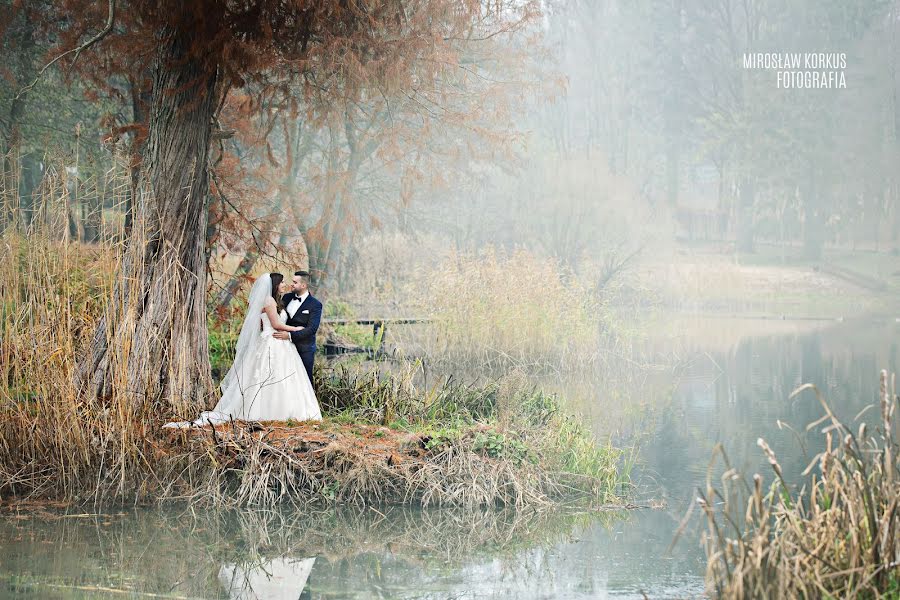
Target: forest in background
593	134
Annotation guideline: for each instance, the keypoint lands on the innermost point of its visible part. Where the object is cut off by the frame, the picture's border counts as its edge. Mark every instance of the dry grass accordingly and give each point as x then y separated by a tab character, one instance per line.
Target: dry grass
512	310
53	290
351	464
496	444
836	538
55	440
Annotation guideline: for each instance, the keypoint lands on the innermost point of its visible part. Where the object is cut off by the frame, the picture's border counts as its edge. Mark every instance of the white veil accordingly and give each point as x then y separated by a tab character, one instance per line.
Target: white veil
249	337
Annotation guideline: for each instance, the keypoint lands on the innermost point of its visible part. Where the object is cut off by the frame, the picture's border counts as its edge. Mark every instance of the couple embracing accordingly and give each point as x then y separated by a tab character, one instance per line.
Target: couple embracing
271	377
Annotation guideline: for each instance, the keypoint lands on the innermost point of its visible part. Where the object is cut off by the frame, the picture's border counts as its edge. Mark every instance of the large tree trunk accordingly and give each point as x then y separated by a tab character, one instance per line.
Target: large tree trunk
9	178
28	183
22	37
152	343
139	99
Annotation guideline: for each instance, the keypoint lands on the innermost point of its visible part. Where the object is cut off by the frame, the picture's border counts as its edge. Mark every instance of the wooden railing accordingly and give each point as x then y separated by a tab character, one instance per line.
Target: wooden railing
379	327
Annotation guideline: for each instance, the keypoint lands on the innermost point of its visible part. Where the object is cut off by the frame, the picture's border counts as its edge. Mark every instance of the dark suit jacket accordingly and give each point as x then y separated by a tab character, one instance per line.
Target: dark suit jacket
308	316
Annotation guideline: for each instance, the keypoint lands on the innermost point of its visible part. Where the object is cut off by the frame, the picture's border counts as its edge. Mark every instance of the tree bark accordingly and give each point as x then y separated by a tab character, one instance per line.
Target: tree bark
139	98
10	166
151	345
29	181
22	38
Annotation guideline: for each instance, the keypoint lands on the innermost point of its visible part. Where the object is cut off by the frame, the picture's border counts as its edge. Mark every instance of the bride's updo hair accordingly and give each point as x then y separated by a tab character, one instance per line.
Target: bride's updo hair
277	278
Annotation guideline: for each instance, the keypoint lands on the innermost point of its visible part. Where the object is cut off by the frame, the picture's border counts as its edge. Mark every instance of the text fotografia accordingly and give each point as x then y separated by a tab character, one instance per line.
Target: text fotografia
801	70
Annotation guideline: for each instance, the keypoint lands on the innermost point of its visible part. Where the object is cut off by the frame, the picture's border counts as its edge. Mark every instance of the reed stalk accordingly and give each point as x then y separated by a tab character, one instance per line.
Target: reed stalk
837	537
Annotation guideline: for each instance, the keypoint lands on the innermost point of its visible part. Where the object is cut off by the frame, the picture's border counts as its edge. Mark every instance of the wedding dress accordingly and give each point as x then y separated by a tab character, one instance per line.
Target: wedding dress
267	381
277	579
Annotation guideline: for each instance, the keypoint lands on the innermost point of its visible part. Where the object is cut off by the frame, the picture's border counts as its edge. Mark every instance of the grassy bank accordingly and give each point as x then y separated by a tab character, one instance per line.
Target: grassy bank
495	443
384	440
837	537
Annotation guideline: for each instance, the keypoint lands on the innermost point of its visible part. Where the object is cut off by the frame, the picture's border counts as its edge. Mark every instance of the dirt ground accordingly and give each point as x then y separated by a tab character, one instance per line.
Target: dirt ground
381	444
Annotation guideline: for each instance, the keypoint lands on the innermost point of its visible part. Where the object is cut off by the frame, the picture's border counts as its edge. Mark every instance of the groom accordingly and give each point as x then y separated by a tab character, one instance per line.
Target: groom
303	311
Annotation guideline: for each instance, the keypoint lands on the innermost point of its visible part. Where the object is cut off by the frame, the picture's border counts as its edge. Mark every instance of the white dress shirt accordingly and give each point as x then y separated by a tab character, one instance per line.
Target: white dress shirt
294	305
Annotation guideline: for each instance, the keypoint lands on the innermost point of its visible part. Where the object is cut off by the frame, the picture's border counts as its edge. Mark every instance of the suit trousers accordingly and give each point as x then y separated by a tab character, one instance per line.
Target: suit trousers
308	356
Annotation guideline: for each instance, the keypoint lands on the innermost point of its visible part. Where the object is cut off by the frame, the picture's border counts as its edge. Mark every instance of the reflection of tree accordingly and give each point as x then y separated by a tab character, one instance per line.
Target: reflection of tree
360	551
738	396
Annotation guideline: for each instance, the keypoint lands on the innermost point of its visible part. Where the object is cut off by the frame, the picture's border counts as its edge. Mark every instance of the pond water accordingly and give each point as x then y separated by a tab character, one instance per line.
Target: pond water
723	381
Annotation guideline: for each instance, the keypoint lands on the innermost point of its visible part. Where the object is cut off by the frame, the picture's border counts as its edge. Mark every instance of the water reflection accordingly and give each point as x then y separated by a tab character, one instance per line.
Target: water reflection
738	395
338	553
725	383
276	579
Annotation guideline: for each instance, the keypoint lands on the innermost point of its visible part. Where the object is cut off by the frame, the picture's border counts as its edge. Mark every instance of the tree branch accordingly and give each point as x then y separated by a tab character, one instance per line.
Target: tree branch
110	20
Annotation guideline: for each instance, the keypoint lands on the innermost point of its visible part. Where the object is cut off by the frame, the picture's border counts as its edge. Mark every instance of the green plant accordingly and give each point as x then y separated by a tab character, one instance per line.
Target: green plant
223	336
499	445
337	308
350	334
440	439
330	490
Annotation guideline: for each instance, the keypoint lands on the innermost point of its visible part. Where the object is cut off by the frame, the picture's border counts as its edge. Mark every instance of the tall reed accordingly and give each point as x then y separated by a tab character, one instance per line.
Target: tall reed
498	309
53	290
835	538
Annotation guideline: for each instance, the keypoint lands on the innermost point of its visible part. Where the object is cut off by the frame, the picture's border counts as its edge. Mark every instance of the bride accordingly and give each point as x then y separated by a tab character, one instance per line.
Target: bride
267	381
